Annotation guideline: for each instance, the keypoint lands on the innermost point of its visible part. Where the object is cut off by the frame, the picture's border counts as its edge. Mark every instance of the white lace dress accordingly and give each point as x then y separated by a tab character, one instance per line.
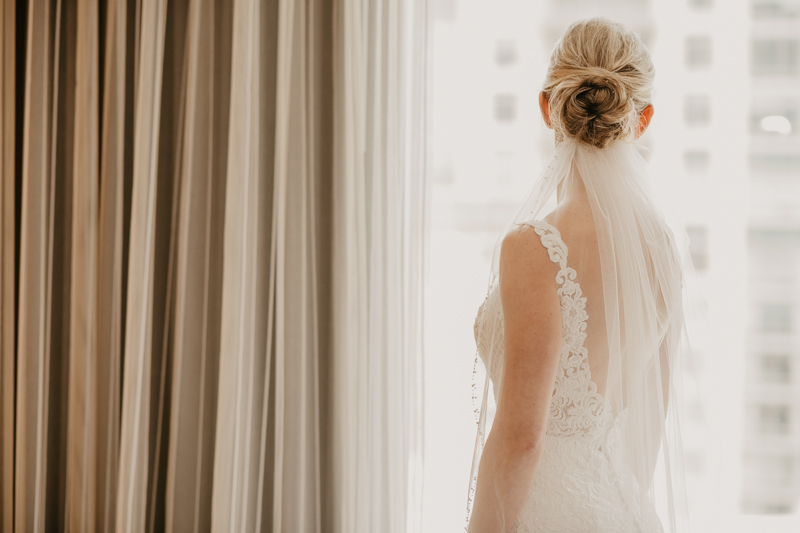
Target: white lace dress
579	483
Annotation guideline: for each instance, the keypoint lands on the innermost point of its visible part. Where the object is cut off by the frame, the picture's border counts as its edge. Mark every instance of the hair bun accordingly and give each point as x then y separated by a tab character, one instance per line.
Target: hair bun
595	107
600	75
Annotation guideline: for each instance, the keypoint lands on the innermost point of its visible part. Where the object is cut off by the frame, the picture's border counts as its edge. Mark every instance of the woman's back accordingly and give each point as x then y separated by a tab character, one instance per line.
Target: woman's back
582	477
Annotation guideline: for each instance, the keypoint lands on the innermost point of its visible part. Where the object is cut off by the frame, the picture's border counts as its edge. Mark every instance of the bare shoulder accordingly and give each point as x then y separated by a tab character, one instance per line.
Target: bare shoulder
522	254
527	276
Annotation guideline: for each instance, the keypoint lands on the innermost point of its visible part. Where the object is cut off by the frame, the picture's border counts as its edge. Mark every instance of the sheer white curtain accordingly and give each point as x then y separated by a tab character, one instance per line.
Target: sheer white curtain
378	222
212	218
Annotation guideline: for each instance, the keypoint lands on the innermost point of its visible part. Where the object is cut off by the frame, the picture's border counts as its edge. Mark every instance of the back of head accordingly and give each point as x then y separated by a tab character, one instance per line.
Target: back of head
600	78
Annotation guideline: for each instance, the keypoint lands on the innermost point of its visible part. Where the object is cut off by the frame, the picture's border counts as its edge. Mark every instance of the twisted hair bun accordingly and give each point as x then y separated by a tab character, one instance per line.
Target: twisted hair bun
600	78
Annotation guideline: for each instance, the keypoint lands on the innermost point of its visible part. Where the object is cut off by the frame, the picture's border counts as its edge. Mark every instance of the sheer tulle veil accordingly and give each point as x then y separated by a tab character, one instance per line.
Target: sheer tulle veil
644	265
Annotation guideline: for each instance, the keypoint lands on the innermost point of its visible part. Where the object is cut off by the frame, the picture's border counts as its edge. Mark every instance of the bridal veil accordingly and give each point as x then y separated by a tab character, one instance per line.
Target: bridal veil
643	262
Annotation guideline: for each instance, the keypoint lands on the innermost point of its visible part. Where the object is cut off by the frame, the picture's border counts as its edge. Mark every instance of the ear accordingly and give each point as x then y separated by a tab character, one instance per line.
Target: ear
644	120
544	105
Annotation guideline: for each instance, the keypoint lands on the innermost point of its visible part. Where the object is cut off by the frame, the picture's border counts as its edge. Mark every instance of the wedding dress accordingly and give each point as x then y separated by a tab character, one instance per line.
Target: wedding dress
611	456
579	482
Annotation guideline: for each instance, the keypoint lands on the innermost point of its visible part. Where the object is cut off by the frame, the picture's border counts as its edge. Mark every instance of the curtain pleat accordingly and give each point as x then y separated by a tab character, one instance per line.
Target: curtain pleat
136	389
36	268
296	347
198	277
82	385
241	376
211	269
8	146
114	173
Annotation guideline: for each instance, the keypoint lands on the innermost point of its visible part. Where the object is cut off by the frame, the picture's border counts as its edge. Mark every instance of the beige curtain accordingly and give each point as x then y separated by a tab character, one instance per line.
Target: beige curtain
212	219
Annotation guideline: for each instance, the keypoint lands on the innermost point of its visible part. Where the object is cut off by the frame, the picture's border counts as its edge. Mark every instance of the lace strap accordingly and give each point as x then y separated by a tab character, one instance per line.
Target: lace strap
551	240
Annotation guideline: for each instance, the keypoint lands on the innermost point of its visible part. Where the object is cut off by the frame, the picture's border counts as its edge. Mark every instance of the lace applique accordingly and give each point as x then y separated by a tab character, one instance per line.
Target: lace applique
576	406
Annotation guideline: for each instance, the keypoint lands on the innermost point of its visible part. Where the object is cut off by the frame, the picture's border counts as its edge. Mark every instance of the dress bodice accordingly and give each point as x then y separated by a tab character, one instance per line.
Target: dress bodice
576	407
582	482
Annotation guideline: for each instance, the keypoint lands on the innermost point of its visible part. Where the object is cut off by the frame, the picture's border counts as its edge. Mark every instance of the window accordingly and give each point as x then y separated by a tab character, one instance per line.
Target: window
774	258
781	122
505	53
785	164
772	115
698	52
766	9
775	57
698	247
697	109
763	474
776	368
505	107
773	419
696	161
773	470
776	124
775	238
776	508
776	318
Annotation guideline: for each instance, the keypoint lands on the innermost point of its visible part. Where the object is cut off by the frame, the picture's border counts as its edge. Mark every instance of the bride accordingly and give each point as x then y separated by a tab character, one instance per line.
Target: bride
582	329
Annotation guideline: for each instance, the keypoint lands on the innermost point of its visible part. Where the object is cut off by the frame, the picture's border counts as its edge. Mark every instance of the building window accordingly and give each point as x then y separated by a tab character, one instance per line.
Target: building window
768	9
696	161
773	116
775	471
776	318
773	419
505	107
775	164
776	368
697	109
776	508
774	258
775	57
775	238
698	52
505	53
772	124
698	247
768	471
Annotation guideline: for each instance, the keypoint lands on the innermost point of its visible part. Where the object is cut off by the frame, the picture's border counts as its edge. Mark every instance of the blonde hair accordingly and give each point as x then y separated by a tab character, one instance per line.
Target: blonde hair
599	80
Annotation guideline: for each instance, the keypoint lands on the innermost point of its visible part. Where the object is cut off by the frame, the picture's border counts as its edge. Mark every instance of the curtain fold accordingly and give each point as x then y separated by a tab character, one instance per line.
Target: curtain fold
133	472
36	272
244	359
199	272
82	383
115	177
212	216
9	119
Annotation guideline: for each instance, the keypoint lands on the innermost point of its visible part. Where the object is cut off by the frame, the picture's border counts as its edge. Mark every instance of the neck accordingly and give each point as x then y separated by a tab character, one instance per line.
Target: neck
571	190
